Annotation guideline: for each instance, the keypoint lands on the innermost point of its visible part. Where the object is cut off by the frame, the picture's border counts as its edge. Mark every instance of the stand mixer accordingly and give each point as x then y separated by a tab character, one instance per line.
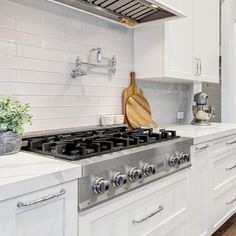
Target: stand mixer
201	111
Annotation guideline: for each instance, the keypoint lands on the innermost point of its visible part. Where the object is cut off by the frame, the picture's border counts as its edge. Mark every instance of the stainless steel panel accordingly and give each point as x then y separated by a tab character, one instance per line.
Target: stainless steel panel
115	9
125	7
139	10
116	5
143	14
123	161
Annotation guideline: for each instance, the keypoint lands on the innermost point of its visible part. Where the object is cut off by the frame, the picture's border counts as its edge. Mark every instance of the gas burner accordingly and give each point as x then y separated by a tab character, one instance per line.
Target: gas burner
79	145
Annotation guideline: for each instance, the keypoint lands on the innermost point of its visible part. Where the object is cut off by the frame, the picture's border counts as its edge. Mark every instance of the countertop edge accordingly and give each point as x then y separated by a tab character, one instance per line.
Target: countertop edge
211	137
32	184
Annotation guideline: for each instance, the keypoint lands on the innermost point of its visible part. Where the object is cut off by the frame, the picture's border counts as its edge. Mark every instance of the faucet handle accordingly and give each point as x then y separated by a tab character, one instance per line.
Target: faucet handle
78	71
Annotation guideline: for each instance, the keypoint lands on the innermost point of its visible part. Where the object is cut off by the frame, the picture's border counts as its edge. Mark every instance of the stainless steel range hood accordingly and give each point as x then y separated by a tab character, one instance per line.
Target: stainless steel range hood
128	12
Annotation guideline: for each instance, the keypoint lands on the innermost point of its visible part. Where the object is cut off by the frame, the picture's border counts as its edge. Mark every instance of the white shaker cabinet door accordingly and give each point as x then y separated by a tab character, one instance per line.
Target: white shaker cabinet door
48	212
178	37
206	35
164	50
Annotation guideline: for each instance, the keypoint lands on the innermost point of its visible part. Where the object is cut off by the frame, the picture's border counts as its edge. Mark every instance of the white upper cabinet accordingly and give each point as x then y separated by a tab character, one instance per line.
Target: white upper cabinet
179	49
206	24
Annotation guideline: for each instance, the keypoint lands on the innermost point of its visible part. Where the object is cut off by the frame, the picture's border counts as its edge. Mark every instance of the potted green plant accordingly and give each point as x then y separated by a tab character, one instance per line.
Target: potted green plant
13	116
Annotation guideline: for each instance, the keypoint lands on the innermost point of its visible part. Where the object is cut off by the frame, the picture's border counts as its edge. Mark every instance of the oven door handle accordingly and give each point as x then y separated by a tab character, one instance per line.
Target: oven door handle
138	221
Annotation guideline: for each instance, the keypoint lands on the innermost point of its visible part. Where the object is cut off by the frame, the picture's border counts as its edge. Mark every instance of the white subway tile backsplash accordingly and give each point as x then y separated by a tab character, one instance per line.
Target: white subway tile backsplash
20	63
102	91
7	21
8	75
41	101
82	101
7	49
40	77
53	89
101	110
8	7
38	65
52	43
7	34
39	53
29	39
23	38
30	10
16	88
167	99
62	112
39	43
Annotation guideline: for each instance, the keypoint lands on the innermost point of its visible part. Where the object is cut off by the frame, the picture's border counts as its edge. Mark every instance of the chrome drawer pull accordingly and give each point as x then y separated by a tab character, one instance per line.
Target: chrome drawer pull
43	199
230	142
231	168
161	208
231	202
202	147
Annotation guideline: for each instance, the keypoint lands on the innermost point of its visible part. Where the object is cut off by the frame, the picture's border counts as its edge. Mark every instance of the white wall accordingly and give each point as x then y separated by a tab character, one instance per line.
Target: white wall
39	42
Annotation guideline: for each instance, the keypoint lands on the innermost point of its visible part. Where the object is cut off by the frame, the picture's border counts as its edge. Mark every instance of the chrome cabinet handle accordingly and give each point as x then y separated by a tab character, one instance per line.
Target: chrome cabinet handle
161	208
231	202
202	147
196	73
43	199
231	168
200	67
231	142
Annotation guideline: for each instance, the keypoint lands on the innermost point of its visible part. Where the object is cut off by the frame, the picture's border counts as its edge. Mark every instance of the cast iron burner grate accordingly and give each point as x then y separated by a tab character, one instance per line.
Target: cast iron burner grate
80	145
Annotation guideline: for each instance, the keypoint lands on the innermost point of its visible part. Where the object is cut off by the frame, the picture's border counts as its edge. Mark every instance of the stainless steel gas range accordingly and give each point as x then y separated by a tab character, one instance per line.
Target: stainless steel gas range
115	160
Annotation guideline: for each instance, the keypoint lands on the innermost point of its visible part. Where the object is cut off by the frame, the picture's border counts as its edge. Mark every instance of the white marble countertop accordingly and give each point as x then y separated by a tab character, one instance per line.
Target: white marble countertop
24	172
203	133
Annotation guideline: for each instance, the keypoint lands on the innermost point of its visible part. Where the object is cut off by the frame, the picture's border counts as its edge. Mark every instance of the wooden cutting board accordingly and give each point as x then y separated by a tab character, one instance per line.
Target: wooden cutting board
137	113
131	90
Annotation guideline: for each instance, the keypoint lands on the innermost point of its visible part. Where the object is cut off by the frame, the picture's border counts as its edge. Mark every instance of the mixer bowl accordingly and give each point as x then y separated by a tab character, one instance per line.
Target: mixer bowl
203	112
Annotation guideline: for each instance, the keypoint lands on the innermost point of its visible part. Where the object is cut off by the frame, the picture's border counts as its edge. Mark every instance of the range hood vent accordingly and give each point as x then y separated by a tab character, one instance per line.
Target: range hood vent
129	12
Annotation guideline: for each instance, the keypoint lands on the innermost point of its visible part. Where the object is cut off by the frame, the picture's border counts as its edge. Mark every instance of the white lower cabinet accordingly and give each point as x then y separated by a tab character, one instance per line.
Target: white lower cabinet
199	190
48	212
222	185
158	209
223	206
213	185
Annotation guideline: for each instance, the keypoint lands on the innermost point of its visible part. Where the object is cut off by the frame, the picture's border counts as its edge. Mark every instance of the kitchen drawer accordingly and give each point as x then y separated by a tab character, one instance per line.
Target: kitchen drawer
146	215
225	143
224	205
180	227
224	169
47	212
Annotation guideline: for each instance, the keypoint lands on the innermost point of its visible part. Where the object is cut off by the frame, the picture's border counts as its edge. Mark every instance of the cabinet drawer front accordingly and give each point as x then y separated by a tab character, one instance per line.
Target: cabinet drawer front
223	206
146	214
178	227
224	143
47	212
224	169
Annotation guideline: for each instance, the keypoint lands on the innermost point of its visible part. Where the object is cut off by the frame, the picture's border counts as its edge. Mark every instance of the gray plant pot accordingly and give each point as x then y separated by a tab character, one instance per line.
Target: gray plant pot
10	143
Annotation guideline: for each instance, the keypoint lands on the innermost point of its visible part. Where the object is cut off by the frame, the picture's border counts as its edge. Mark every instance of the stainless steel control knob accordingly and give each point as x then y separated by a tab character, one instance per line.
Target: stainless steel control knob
100	185
135	174
149	169
119	179
174	161
184	157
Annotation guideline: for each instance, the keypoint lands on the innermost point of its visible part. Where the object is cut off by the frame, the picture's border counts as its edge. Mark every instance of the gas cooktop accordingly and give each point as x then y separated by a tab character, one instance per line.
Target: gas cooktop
83	144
